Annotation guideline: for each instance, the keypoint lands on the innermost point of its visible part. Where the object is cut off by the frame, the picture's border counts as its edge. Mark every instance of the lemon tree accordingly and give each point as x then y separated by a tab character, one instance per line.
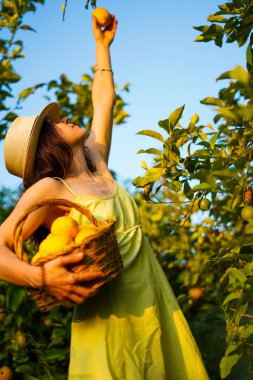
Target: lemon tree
208	166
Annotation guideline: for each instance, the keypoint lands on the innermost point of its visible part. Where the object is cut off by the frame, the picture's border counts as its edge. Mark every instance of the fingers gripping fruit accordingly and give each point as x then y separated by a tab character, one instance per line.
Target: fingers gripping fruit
64	232
103	16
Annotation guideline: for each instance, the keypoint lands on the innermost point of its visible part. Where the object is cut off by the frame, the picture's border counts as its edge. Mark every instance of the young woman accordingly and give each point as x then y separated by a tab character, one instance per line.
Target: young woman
133	327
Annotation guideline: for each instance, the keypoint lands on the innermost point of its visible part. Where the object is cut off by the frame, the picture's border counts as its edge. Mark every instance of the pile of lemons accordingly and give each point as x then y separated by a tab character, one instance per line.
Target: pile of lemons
64	231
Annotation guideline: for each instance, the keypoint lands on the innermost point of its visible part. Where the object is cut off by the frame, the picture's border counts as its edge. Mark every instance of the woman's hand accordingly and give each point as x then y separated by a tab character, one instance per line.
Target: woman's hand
107	35
62	284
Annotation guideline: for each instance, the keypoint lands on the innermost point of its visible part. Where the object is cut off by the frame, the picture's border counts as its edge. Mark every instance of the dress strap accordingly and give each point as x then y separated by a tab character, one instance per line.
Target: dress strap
67	186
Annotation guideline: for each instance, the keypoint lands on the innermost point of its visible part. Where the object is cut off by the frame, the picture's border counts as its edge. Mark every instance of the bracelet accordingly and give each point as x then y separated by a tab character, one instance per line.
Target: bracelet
43	277
108	67
103	70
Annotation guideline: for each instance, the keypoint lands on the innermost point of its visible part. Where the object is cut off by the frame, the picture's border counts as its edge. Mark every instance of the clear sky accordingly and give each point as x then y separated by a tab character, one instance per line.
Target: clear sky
154	50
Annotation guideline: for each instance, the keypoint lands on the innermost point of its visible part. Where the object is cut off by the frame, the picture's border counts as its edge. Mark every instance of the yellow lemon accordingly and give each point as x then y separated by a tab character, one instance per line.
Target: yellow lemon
247	213
204	204
195	293
102	15
54	244
21	339
85	232
6	373
64	225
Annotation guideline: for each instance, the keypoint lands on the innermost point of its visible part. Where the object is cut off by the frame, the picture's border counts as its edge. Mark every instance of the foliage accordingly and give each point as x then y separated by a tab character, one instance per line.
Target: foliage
74	98
11	48
215	162
35	345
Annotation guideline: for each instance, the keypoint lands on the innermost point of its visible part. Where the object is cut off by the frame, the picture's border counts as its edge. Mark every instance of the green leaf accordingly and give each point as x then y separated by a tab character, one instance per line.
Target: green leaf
144	165
227	363
151	175
165	125
223	173
230	297
212	101
175	116
240	311
25	93
239	74
155	135
54	354
14	298
86	78
216	18
232	347
194	119
236	275
249	55
246	331
213	140
174	185
150	151
202	186
27	27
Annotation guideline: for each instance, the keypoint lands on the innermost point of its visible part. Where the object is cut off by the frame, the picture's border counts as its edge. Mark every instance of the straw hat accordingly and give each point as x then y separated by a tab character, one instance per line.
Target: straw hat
22	138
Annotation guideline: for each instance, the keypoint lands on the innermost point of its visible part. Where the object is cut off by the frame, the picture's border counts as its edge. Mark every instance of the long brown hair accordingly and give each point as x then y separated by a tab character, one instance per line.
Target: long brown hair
53	159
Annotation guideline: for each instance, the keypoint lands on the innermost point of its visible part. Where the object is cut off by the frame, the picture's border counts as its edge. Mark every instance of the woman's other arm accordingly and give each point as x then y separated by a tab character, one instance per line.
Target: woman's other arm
103	94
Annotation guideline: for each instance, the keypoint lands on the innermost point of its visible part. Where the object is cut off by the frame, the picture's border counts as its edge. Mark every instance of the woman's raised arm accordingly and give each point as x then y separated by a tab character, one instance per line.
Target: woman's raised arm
103	93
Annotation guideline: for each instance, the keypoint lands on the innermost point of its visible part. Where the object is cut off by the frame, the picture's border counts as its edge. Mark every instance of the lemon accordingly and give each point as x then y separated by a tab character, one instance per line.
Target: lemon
85	232
195	293
6	373
102	15
247	213
21	339
64	225
54	244
204	204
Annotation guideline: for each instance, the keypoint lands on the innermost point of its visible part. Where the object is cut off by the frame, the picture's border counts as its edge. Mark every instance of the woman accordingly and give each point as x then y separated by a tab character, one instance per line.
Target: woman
133	327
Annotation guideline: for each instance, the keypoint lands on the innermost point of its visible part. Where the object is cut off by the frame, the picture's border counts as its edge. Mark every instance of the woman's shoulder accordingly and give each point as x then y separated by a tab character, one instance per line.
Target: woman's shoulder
43	188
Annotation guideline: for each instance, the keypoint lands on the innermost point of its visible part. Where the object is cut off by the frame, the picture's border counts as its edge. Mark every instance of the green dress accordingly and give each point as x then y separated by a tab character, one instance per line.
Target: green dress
133	328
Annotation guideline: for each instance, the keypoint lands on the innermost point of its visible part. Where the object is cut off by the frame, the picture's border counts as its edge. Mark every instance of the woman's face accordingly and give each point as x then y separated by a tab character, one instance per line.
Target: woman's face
71	133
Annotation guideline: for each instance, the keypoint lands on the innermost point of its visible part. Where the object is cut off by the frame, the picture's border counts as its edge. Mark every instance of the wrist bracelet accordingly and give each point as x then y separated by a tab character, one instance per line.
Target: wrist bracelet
103	70
43	277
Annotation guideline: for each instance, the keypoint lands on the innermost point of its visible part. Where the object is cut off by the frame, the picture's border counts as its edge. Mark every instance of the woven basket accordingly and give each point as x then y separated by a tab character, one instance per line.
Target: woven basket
101	251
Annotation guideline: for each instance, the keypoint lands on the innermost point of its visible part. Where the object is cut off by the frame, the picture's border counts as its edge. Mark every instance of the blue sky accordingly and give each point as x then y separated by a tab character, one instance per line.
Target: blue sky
154	50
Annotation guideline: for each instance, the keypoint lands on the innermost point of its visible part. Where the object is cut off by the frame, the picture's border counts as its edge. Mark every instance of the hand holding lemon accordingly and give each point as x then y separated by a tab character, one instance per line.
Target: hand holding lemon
102	18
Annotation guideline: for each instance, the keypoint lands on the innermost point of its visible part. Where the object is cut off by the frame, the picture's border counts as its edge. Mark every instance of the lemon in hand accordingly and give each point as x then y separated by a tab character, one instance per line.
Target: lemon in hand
102	15
85	232
64	225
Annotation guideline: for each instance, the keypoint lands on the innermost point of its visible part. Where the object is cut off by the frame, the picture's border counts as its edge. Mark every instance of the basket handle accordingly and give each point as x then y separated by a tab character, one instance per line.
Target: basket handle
18	243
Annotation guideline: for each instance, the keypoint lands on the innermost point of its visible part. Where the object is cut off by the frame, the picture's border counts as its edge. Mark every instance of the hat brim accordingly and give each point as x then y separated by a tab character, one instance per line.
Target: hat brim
52	110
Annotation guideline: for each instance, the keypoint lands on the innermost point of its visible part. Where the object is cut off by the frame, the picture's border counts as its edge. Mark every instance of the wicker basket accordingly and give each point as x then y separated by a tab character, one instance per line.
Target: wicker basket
101	250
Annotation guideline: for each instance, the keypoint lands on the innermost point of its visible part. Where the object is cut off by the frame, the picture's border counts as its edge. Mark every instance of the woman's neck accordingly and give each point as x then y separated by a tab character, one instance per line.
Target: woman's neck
78	167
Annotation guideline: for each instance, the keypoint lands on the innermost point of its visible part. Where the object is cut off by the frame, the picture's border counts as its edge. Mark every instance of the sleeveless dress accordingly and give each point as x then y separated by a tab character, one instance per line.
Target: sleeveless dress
133	328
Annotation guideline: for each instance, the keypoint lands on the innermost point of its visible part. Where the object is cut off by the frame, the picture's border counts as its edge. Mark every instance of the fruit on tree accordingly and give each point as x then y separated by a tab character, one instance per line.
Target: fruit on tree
247	213
6	373
21	339
204	204
64	225
2	314
103	16
195	293
86	231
